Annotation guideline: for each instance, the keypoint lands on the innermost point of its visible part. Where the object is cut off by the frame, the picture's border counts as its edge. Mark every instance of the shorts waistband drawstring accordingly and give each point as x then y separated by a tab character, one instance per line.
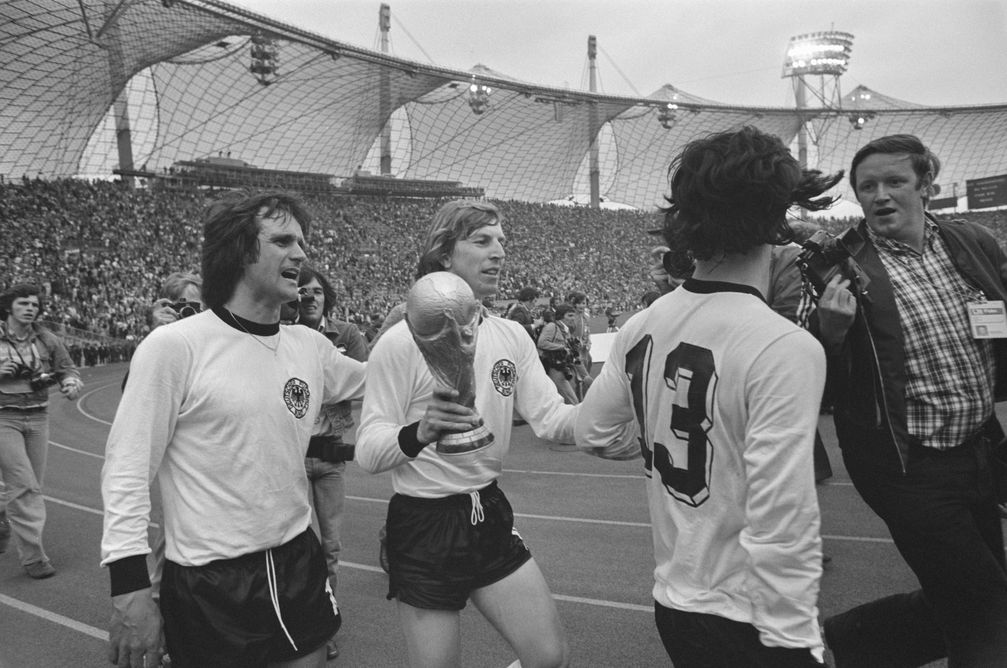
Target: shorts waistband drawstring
477	508
274	596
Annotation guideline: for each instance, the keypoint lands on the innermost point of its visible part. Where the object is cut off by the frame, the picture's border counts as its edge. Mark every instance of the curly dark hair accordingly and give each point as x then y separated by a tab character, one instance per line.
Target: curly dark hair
17	291
307	274
730	192
231	237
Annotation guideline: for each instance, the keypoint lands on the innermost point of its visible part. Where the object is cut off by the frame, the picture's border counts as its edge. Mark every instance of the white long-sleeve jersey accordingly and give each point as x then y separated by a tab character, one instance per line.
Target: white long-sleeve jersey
508	374
726	396
224	423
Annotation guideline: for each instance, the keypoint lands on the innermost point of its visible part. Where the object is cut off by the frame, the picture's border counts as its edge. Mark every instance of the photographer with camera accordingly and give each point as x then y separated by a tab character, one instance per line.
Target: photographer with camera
580	342
325	462
914	381
180	298
556	347
32	360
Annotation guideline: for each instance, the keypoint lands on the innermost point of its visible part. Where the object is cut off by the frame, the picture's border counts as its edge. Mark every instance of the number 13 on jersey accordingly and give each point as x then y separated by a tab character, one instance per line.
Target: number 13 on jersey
680	448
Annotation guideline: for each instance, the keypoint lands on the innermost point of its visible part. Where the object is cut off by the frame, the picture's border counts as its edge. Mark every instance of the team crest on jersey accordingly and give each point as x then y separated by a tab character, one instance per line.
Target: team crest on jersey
504	377
296	396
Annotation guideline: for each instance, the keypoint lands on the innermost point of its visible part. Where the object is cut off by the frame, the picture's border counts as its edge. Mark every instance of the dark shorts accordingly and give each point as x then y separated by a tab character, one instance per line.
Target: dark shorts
222	614
697	640
440	550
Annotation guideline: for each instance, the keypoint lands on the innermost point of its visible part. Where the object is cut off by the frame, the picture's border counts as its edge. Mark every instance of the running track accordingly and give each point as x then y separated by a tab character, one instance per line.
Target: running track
584	519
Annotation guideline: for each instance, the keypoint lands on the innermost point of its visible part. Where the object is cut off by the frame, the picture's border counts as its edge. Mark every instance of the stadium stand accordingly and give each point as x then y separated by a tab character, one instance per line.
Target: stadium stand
101	249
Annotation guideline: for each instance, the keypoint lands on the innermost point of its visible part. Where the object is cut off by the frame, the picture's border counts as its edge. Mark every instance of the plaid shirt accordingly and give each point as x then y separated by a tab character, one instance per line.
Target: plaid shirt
949	374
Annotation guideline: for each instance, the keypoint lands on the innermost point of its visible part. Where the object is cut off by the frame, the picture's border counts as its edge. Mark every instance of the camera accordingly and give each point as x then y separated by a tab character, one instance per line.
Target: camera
41	381
36	380
824	256
558	360
185	308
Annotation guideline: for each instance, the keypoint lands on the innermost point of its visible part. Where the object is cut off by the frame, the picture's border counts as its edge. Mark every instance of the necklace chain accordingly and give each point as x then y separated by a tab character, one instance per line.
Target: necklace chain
262	343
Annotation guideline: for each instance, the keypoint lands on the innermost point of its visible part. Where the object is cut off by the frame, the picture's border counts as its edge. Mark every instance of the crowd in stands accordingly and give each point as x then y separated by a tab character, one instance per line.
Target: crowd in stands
102	250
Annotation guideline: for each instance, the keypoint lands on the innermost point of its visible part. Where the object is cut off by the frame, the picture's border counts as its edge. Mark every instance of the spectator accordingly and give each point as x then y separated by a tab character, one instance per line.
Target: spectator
580	342
328	453
556	351
521	311
32	360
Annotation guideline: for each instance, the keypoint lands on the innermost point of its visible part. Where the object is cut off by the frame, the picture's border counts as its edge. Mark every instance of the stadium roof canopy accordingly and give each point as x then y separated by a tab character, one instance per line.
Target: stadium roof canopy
180	70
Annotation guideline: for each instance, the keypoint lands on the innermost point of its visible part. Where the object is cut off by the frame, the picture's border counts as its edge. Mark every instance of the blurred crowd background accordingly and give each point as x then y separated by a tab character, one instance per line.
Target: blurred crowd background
101	252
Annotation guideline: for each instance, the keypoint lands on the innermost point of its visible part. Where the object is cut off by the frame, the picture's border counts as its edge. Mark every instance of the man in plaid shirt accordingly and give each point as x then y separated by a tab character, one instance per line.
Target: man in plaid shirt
914	388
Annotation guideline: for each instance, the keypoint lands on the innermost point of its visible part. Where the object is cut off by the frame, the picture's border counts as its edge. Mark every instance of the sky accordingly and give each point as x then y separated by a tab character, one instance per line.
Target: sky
933	52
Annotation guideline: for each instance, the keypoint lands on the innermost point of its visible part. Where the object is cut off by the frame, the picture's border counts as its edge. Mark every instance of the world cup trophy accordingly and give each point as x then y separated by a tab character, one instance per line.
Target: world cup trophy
443	316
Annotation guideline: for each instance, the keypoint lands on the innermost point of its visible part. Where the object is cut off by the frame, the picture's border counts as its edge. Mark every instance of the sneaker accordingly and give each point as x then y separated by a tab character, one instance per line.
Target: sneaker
40	569
4	533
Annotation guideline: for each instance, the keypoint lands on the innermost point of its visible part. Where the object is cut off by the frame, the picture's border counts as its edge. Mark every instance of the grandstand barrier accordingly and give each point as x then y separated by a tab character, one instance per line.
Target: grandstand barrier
390	186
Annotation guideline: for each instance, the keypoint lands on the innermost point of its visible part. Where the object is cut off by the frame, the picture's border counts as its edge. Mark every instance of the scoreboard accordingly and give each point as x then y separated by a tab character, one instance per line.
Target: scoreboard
987	192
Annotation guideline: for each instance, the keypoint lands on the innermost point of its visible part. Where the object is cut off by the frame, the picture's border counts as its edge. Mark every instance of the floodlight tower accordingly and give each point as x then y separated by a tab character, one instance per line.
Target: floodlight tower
593	169
824	55
385	92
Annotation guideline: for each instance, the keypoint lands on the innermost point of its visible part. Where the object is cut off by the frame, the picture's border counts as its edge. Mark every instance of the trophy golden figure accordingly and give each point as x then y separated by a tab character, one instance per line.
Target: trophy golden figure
443	316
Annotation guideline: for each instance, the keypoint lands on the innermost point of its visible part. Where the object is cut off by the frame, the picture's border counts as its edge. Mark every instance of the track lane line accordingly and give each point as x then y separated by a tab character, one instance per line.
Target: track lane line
54	617
547	518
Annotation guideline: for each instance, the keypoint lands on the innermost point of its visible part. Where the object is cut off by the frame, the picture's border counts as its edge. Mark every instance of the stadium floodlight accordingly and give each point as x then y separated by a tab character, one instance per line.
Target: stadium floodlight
822	53
667	115
265	61
814	63
859	120
479	97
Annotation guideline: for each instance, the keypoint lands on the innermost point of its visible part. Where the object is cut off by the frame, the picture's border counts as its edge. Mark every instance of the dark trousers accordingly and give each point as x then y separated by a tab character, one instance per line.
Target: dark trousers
943	518
696	640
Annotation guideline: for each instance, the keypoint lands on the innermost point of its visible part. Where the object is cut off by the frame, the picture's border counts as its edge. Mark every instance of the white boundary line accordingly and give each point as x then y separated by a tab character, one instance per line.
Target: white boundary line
80	404
54	617
547	518
77	451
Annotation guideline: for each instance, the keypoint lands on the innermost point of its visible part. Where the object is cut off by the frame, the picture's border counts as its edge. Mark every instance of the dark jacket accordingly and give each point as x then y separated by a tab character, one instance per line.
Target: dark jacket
866	376
49	355
335	419
520	314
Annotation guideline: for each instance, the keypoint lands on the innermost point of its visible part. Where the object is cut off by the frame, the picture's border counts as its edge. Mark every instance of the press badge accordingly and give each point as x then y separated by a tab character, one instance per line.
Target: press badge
988	320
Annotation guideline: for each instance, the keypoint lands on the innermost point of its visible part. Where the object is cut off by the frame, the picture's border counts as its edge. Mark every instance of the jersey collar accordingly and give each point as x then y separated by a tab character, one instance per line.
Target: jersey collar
709	287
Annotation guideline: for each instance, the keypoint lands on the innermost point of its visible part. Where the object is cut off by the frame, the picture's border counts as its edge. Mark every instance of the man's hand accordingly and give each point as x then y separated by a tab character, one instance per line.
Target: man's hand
7	368
656	269
134	634
837	308
161	313
70	388
445	416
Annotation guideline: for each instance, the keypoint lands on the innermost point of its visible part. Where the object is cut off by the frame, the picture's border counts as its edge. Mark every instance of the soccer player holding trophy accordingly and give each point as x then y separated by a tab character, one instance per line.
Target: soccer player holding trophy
450	534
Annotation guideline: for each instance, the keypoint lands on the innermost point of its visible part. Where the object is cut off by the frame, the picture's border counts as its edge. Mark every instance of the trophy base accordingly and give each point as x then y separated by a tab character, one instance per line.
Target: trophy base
466	441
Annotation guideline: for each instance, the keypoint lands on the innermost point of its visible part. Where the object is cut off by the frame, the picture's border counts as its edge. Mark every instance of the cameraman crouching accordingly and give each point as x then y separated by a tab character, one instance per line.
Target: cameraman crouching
32	359
557	352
